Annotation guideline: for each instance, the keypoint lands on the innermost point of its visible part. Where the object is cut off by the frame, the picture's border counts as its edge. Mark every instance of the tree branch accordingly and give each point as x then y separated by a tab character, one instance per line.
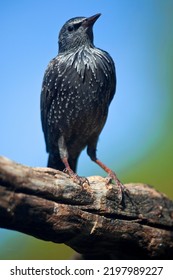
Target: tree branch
47	204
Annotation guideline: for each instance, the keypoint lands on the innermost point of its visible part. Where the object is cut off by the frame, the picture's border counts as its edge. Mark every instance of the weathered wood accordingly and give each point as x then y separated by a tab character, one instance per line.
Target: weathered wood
47	204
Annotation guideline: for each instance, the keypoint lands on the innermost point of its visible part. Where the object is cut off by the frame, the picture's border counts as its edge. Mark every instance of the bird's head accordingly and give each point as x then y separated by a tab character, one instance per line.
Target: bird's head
76	32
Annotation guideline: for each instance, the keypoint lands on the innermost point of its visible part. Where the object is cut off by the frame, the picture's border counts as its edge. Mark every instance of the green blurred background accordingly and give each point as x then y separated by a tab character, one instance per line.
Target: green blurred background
138	136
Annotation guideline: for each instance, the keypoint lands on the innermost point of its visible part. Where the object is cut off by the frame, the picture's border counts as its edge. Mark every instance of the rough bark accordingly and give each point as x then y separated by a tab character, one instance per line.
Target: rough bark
47	204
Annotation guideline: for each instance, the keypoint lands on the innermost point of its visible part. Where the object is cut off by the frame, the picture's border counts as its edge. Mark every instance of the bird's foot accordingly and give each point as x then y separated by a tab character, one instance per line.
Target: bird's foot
82	181
122	189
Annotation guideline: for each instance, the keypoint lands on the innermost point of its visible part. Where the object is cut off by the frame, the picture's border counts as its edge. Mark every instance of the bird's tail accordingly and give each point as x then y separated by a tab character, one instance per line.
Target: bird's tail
54	161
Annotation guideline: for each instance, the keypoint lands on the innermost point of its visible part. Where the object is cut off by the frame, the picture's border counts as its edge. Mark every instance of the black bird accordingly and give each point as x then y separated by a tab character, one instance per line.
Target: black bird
78	87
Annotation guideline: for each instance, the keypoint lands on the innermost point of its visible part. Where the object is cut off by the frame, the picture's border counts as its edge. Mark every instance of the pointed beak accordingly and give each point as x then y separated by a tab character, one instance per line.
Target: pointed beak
90	20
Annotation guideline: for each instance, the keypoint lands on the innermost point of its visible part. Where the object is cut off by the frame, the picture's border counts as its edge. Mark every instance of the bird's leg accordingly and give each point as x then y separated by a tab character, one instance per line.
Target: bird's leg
111	174
64	157
77	179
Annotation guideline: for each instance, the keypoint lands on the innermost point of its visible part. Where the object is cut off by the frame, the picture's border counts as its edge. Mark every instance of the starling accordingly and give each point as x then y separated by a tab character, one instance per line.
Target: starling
78	87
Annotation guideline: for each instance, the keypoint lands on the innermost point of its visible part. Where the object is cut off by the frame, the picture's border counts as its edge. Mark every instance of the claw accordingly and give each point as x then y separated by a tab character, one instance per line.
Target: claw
122	189
82	181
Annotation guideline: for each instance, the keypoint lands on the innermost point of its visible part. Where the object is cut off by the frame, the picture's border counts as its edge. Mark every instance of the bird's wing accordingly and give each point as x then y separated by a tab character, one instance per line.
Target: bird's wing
107	66
50	81
55	83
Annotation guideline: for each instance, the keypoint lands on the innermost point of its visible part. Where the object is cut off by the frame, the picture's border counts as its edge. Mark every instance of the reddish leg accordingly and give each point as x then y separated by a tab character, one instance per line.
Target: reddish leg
77	179
64	157
111	174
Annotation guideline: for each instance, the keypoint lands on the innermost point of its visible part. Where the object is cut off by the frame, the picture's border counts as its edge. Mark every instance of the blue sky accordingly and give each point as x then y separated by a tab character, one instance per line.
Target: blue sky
128	30
137	34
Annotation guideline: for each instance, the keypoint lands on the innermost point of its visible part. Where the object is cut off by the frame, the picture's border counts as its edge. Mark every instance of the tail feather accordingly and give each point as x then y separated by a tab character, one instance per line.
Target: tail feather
54	161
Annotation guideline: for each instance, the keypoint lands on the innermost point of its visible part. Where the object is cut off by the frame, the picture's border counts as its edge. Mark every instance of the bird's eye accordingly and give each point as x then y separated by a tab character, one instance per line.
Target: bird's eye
70	28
